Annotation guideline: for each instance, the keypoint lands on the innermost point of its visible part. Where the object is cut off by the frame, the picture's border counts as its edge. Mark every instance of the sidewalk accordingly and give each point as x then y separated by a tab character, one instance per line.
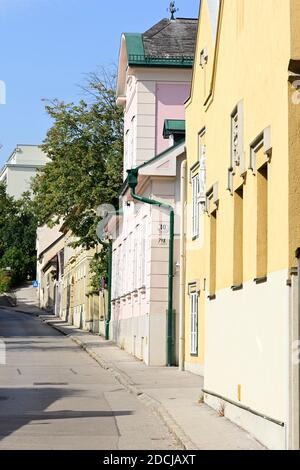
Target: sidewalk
26	300
171	394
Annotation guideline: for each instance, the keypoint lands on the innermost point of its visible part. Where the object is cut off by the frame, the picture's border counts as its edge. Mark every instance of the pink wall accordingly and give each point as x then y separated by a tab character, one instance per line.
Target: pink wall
170	99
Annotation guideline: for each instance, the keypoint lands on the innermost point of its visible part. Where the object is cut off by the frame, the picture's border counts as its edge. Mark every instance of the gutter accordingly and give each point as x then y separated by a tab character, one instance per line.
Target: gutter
132	183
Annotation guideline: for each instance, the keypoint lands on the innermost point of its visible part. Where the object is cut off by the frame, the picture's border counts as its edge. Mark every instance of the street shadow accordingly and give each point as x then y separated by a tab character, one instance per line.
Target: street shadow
20	406
16	324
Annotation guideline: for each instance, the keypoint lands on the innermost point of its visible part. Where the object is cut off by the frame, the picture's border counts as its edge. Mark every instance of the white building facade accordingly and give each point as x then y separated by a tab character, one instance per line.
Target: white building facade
153	83
21	167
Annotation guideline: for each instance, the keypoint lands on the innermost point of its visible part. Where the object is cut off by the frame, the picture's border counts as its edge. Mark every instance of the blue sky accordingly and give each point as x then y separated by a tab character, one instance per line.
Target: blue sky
47	47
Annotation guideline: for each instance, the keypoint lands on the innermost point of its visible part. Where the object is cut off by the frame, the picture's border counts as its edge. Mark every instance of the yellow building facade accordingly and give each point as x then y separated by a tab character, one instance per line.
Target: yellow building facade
82	306
243	227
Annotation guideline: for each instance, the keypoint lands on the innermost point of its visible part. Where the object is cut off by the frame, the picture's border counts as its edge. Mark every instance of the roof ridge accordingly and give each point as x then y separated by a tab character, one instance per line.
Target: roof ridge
157	32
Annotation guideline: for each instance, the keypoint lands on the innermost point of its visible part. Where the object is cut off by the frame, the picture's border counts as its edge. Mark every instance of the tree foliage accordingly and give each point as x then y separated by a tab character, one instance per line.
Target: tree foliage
18	225
85	147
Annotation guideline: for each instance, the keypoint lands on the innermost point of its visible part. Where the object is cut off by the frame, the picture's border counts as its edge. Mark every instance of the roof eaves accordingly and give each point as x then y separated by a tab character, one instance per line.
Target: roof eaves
165	62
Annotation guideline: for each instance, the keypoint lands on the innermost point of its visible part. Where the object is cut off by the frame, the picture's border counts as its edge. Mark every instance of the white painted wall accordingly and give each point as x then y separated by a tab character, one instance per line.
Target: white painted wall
21	167
256	319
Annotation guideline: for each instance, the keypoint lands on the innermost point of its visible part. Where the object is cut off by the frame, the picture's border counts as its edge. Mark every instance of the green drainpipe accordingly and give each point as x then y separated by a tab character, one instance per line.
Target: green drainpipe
132	183
109	273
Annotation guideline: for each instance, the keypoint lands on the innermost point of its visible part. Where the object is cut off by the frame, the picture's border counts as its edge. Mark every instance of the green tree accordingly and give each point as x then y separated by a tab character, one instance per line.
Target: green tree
18	225
85	147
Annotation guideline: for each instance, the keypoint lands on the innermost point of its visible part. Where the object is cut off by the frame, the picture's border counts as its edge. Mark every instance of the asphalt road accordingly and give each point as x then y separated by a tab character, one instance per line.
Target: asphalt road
54	396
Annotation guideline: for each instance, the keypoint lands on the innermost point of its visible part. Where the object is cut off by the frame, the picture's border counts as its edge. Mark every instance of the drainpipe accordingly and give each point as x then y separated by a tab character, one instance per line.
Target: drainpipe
182	268
109	274
132	183
298	257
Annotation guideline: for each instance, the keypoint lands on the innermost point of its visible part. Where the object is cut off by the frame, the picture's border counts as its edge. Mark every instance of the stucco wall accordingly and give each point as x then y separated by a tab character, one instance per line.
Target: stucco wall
245	331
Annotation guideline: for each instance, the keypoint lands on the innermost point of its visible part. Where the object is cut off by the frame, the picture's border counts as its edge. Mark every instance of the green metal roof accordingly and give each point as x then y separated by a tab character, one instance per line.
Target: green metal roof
137	57
173	126
134	45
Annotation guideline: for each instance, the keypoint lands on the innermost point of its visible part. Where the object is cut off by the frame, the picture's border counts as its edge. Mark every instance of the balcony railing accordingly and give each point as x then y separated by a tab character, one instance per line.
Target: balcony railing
181	61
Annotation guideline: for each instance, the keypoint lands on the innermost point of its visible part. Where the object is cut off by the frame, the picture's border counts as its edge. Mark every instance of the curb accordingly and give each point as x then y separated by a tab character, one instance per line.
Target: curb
156	407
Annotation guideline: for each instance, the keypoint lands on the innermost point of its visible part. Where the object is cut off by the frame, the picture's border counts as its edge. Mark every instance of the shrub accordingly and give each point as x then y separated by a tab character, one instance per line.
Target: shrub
4	282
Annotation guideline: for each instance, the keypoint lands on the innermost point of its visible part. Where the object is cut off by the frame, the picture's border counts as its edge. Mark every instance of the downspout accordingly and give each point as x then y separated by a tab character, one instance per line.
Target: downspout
298	257
132	183
182	268
109	273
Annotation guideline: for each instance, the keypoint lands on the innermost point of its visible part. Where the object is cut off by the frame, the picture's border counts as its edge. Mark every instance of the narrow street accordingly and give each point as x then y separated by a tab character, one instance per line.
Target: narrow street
54	396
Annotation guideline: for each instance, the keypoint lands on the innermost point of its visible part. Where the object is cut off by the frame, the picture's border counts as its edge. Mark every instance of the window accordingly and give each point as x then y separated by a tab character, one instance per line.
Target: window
124	277
142	255
238	238
195	206
126	158
262	223
236	158
132	143
114	283
125	261
194	323
118	272
130	264
135	258
202	165
203	57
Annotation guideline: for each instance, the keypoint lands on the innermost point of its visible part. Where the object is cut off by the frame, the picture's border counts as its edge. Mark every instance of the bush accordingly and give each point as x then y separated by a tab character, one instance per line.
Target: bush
4	282
19	265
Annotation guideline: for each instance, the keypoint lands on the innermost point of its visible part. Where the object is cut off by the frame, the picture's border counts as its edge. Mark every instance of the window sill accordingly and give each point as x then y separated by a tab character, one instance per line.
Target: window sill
260	280
212	297
195	237
194	354
237	288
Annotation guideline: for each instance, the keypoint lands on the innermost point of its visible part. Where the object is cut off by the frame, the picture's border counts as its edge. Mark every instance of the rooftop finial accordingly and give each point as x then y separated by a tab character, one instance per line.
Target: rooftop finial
173	10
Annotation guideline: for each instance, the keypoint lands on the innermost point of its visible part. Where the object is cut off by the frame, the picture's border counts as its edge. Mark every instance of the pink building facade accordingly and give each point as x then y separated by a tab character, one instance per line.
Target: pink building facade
151	89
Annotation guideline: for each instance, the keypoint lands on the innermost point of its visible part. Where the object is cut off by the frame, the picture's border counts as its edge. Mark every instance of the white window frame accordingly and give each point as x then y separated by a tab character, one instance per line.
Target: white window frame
143	253
194	297
136	257
131	161
235	138
202	164
195	206
126	159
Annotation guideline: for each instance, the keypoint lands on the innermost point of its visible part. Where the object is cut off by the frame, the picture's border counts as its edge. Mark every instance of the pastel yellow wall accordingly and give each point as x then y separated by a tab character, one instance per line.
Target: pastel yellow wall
244	333
195	121
252	59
